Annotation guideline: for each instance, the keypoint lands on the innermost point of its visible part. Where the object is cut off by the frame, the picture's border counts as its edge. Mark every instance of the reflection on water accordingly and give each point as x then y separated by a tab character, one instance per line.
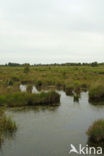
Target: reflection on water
49	131
101	103
35	109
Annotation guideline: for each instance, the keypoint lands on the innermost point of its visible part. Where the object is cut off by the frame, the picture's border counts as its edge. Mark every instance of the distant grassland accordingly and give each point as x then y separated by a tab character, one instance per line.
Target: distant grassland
67	77
71	79
52	75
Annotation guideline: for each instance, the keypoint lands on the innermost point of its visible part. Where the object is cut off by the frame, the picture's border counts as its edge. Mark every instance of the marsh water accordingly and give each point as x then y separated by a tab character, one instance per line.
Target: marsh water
49	131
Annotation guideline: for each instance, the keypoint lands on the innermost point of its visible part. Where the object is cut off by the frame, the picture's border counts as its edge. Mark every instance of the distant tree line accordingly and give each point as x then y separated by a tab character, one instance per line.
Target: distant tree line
16	64
93	64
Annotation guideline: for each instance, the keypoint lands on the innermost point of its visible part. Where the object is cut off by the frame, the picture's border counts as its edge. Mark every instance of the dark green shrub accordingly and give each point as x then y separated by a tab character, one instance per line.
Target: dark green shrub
26	68
94	64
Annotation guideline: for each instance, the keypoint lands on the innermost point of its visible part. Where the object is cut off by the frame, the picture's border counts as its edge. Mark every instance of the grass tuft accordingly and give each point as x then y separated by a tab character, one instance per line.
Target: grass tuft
7	125
23	99
96	93
96	132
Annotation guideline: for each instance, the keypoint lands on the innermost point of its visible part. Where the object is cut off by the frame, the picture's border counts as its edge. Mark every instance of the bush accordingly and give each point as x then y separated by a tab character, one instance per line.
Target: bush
94	64
96	132
26	68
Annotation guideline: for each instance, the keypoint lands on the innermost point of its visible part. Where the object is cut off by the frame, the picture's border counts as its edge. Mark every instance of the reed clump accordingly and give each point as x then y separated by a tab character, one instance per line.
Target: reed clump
23	99
96	93
76	97
29	88
69	90
7	125
68	77
96	132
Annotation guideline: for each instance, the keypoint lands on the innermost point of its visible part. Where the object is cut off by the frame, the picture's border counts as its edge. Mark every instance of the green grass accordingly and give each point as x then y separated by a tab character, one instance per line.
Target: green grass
26	99
96	132
7	125
53	75
68	78
96	93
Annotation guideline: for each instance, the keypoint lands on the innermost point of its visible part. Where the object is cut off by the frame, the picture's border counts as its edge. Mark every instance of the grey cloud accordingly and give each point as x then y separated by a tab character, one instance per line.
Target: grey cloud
50	31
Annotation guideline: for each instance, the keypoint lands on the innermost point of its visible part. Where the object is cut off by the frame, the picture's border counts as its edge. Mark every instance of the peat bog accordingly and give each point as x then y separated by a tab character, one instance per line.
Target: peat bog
41	86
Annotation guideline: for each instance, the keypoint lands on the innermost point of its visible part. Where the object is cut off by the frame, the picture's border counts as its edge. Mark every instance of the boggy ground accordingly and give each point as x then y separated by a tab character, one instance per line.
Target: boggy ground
59	76
72	79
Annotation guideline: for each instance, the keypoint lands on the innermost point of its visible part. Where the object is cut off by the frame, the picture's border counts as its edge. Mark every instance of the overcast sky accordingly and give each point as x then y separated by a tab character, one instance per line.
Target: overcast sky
49	31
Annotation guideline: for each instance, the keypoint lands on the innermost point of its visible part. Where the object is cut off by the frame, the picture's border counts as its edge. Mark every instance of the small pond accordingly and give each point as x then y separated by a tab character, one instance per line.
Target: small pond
49	131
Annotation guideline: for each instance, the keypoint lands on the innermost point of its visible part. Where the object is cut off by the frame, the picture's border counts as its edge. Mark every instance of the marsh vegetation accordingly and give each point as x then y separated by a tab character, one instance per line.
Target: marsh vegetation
69	78
7	125
28	99
52	127
49	82
96	133
96	93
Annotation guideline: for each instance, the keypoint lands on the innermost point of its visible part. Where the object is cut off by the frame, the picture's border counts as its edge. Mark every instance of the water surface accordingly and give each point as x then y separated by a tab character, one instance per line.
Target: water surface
49	131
